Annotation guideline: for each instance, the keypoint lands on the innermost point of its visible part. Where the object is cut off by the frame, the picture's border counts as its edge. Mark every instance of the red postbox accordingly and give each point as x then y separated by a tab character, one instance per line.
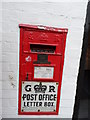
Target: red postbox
40	69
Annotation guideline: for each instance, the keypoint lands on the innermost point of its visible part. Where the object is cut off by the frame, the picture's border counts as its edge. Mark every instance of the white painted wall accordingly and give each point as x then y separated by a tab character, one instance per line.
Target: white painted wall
69	15
0	60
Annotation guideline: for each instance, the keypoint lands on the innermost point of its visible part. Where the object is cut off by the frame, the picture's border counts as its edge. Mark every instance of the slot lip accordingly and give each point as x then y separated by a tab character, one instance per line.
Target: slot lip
29	52
43	44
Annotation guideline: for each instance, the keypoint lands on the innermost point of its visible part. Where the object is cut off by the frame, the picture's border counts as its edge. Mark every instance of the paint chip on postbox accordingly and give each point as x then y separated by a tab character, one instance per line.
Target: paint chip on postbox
43	72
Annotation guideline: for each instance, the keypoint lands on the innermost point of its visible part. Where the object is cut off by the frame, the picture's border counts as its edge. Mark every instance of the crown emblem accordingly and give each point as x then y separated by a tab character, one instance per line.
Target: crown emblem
40	88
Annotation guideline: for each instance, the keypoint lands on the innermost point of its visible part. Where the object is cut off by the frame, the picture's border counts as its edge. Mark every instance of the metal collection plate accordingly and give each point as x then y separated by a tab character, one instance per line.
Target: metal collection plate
39	96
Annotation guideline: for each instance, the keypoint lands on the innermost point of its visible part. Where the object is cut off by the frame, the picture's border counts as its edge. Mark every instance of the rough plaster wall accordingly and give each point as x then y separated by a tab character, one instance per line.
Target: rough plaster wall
66	14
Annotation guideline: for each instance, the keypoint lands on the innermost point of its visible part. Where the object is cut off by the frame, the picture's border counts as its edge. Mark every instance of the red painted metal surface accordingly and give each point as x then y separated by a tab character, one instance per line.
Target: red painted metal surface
37	36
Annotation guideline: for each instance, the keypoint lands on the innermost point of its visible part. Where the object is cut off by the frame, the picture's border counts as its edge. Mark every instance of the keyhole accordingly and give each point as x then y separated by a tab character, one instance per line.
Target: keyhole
27	77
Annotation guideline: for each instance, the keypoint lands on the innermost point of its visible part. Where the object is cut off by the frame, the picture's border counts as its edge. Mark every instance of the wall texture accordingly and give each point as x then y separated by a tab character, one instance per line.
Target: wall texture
69	15
0	60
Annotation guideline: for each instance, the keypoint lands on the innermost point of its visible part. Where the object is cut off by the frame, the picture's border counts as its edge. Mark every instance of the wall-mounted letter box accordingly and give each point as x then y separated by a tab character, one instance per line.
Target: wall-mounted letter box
40	69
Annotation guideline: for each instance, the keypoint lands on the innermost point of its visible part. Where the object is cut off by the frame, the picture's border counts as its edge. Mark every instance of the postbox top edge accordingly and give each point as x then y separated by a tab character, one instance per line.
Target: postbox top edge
41	27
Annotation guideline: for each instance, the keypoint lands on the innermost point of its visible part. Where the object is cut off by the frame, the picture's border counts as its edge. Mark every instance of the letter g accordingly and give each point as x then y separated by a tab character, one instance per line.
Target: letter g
28	88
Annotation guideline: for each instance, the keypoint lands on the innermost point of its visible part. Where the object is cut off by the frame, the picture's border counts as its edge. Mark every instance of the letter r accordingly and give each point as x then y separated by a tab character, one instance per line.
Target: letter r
51	89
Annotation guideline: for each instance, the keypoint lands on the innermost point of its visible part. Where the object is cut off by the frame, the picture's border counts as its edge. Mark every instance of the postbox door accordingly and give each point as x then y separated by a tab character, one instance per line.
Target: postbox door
29	64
